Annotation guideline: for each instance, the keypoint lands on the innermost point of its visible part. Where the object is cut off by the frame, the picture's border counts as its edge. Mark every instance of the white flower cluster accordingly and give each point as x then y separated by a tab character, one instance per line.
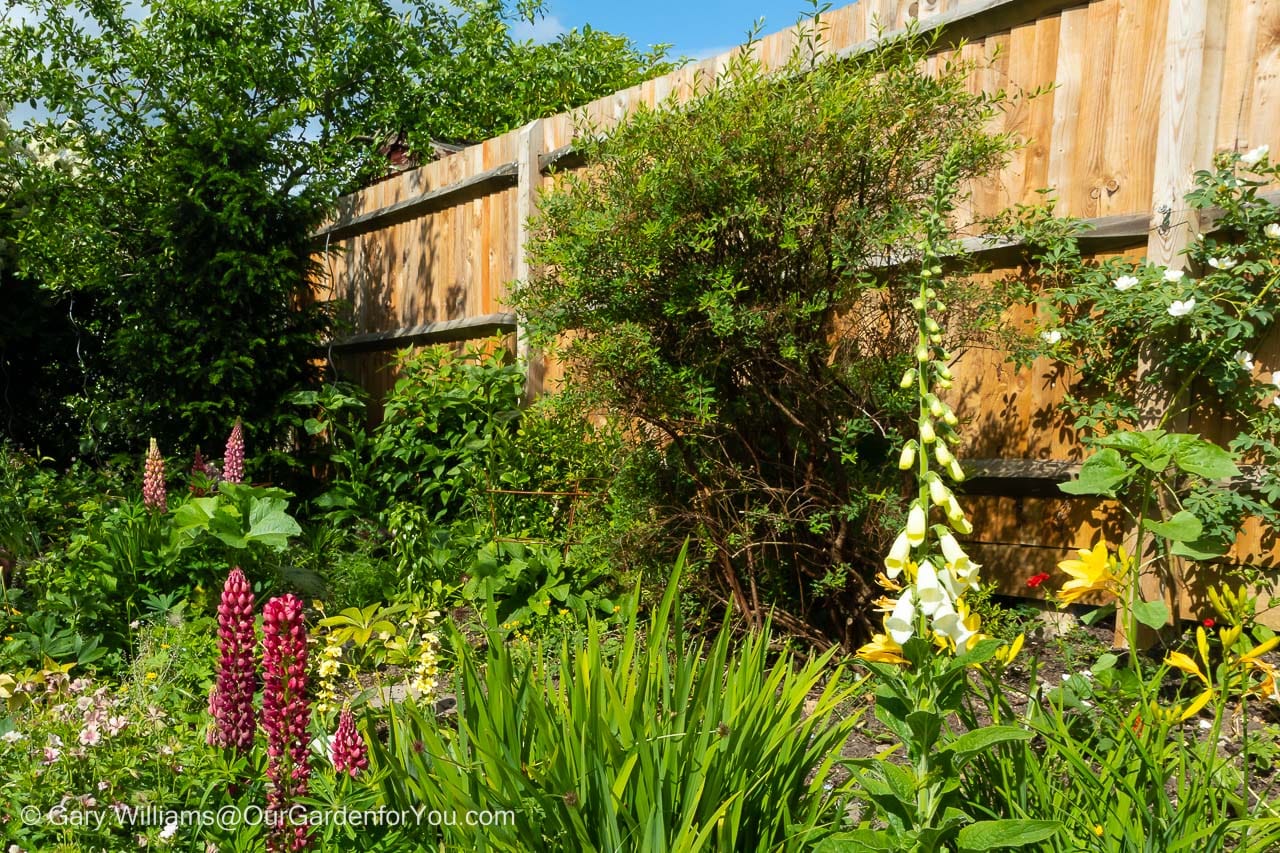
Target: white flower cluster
939	576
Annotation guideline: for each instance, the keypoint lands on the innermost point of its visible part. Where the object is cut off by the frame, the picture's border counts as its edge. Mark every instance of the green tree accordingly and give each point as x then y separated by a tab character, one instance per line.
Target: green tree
179	156
728	269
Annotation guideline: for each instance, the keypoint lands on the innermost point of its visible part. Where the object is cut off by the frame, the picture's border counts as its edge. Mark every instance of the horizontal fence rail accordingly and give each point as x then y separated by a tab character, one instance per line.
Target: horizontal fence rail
1141	93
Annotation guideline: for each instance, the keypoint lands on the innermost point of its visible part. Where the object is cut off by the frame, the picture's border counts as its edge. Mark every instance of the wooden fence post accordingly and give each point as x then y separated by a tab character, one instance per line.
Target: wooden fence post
529	147
1193	63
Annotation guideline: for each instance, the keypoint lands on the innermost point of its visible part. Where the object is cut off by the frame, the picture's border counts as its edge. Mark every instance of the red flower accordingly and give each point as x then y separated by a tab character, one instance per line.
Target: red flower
286	713
232	699
1209	623
1035	580
349	754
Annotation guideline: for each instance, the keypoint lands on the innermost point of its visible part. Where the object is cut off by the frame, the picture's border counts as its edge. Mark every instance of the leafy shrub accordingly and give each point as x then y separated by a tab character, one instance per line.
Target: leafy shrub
722	267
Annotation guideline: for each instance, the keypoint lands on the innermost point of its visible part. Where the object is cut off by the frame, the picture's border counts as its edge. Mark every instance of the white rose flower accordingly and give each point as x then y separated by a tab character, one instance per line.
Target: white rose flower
1125	282
1182	309
1252	158
1173	276
1051	337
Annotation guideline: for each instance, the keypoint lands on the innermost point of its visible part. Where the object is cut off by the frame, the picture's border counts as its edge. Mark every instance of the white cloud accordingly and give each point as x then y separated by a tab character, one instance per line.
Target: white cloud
541	31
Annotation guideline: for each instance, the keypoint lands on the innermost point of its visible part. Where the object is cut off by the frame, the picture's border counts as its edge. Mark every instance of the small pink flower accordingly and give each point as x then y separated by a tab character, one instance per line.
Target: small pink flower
90	736
153	491
51	754
115	725
233	462
348	749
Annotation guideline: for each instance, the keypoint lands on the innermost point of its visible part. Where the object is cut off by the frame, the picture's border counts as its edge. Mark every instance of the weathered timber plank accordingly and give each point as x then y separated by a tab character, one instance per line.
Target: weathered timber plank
499	177
445	331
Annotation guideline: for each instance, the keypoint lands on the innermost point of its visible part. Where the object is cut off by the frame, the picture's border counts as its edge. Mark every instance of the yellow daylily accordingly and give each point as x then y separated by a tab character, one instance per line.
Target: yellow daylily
1196	705
1089	573
1006	654
882	649
1259	650
1178	660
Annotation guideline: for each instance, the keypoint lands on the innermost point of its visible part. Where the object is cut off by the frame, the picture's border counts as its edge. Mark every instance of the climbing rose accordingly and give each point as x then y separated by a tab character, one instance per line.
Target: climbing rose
153	493
285	717
349	754
233	463
232	699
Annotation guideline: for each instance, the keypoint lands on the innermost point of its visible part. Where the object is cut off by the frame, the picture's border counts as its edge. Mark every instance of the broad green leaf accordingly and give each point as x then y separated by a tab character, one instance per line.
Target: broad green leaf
1099	475
994	834
1207	460
1153	614
1182	527
1204	548
270	524
978	740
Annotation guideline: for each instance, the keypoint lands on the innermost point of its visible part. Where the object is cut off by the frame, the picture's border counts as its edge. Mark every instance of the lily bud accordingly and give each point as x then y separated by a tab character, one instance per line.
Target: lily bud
949	417
922	353
938	492
908	378
935	406
956	472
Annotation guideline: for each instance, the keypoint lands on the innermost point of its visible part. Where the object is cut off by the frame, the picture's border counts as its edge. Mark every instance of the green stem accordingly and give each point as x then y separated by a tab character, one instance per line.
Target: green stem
1135	579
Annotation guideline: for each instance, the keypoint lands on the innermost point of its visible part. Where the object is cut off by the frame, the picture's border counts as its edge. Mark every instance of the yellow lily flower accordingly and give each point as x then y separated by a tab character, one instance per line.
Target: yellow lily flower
1196	705
1006	654
1259	650
1180	661
1089	573
882	649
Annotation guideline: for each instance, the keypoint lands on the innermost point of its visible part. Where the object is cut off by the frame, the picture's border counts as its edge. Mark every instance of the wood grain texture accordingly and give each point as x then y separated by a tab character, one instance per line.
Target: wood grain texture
1143	92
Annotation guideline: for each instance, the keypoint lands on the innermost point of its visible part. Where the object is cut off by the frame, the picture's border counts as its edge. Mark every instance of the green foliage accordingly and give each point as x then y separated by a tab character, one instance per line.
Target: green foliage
720	269
158	202
924	802
667	746
239	516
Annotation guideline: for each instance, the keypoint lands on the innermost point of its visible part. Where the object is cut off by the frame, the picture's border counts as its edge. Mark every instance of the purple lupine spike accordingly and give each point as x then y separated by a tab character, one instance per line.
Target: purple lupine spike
286	715
233	461
153	491
232	698
349	753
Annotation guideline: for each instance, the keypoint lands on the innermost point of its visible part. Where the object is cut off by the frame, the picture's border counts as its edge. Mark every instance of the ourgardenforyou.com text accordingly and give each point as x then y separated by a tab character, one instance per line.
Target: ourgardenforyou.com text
231	817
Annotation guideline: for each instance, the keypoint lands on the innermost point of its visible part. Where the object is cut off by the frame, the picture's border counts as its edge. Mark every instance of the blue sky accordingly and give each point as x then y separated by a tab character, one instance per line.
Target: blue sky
696	28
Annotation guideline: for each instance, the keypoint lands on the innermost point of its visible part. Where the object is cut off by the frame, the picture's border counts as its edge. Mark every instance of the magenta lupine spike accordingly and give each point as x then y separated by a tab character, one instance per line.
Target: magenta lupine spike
285	717
350	755
233	462
153	492
232	698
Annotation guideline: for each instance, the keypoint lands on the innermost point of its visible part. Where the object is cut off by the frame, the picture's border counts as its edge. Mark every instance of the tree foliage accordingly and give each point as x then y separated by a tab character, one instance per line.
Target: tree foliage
175	158
727	268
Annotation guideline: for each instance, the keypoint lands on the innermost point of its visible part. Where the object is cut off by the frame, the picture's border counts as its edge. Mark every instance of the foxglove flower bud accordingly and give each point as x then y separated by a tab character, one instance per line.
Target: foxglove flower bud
233	462
286	715
349	752
153	491
916	524
232	700
908	457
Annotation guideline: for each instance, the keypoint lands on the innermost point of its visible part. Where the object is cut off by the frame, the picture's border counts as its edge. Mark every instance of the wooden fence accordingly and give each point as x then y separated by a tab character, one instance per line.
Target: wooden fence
1146	91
